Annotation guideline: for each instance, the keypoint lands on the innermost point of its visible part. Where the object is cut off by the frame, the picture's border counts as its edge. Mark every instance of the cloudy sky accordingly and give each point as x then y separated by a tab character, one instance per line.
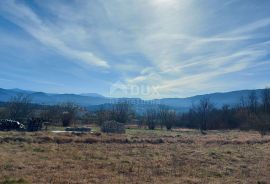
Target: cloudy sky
168	48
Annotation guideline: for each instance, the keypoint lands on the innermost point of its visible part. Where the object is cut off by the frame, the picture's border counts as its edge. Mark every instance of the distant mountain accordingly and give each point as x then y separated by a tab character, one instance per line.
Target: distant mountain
93	99
92	95
52	99
219	99
17	90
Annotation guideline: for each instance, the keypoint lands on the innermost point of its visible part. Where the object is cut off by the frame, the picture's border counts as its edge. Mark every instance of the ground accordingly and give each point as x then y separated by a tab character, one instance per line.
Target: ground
139	156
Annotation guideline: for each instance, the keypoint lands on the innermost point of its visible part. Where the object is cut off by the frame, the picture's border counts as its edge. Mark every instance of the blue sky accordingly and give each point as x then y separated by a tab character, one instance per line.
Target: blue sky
172	48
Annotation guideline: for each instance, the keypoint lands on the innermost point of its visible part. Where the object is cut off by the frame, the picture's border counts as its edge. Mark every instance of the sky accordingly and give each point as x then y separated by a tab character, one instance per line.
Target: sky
135	48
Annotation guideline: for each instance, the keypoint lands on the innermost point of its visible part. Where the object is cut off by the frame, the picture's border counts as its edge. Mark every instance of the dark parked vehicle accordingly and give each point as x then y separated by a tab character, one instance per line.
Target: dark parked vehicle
7	125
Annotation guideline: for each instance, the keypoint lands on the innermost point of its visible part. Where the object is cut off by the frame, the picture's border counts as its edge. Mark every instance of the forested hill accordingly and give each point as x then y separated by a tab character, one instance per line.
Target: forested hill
92	99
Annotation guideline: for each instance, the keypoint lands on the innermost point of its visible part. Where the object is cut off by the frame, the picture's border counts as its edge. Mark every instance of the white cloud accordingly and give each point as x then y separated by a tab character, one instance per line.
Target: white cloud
24	17
180	47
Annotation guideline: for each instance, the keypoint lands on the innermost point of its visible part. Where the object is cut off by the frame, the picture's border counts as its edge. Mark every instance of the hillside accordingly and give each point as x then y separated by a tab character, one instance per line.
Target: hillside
93	99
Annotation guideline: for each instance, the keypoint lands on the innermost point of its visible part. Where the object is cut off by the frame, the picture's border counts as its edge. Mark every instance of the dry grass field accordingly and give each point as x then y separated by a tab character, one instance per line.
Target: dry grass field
139	156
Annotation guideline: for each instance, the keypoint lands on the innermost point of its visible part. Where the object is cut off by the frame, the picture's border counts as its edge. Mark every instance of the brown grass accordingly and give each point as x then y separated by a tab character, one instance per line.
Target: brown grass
140	156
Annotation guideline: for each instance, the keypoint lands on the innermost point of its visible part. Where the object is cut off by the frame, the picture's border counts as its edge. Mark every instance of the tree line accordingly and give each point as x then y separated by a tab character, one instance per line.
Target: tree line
21	108
252	112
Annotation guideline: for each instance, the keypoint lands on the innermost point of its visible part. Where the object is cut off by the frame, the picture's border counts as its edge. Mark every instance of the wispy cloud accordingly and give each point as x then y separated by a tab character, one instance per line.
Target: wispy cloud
24	17
178	46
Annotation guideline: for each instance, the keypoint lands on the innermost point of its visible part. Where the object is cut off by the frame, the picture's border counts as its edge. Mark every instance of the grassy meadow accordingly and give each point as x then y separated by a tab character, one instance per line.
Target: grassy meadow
139	156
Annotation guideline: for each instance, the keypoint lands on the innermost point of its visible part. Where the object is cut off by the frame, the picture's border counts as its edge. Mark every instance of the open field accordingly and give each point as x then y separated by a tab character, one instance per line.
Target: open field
139	156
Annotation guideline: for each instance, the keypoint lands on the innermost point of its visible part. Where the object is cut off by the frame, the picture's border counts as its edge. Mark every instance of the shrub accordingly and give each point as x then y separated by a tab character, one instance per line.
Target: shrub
113	127
34	124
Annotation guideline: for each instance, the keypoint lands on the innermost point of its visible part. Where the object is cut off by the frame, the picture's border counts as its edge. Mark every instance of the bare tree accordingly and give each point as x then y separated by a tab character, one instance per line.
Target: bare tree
167	117
226	117
19	107
52	114
263	123
162	114
171	119
69	111
121	112
243	103
203	110
3	113
266	100
151	116
103	115
253	102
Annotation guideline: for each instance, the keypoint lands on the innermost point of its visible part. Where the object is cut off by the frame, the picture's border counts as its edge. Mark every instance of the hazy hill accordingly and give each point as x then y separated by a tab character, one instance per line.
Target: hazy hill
94	99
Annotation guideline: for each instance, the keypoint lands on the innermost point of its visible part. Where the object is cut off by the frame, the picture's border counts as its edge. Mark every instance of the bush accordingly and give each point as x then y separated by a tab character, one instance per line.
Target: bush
113	127
34	124
263	124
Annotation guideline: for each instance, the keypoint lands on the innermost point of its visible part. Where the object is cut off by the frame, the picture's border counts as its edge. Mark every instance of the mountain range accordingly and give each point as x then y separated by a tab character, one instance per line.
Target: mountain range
94	99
